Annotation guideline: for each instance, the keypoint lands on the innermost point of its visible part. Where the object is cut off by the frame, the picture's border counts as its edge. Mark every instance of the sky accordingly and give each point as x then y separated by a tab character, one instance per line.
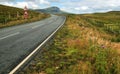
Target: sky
72	6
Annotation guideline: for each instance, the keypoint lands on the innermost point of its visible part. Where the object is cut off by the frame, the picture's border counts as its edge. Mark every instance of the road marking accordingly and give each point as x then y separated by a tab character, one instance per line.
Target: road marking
9	35
35	26
35	50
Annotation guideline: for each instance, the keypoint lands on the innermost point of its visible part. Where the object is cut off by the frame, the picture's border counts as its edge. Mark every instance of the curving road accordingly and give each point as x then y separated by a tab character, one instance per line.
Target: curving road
18	41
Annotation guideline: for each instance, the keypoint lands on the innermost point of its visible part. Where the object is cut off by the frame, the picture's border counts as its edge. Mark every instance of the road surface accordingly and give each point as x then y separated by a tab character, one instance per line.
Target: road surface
18	41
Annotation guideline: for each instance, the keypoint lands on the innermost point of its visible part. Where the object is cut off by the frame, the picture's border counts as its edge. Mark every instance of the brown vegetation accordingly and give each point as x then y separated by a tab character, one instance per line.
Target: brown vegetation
78	48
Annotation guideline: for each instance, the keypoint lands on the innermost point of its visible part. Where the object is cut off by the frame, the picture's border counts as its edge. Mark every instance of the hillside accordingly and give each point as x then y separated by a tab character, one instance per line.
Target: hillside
13	16
108	22
51	10
82	46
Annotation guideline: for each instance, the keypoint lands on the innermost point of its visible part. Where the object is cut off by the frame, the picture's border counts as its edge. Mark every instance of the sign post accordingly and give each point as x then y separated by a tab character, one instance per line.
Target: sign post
25	12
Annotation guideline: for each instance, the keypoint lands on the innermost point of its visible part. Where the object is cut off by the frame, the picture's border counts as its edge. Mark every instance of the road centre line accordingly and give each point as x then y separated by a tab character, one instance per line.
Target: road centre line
35	26
10	35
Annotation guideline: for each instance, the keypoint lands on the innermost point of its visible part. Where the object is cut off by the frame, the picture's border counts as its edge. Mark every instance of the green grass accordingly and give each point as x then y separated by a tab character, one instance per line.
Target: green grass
75	51
10	16
108	22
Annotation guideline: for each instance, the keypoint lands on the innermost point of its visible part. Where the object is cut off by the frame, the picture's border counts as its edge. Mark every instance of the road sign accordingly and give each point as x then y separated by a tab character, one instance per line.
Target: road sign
25	12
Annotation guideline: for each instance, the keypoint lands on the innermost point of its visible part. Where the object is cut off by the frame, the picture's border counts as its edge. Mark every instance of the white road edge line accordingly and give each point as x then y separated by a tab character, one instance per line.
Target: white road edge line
21	63
9	35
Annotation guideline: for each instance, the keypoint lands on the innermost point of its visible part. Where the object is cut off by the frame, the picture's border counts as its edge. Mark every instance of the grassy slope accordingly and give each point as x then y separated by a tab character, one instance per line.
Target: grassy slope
108	22
13	16
78	48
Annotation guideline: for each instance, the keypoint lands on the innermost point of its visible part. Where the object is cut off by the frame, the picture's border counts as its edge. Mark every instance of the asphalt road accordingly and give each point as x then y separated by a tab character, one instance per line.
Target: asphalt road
18	41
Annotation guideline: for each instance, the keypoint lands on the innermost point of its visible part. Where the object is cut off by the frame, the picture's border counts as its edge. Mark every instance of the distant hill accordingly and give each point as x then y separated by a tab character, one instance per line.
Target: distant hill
108	13
114	12
51	10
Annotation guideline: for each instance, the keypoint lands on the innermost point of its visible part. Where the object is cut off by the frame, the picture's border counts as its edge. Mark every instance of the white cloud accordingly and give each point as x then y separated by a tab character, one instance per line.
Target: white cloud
81	8
6	0
73	6
22	4
88	6
77	8
54	0
7	3
39	1
44	2
84	8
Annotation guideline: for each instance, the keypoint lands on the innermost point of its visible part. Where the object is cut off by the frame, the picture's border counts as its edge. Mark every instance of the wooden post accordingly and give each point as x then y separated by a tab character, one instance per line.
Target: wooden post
9	16
17	14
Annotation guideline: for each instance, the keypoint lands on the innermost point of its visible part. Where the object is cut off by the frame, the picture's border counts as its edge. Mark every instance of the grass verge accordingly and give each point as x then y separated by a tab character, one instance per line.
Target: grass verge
77	48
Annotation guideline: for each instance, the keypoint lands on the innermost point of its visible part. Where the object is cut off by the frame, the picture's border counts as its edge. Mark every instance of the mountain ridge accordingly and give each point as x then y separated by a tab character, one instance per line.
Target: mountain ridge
51	10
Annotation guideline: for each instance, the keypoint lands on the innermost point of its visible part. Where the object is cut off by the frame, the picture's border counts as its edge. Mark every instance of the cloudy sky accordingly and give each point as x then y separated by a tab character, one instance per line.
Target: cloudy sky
73	6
